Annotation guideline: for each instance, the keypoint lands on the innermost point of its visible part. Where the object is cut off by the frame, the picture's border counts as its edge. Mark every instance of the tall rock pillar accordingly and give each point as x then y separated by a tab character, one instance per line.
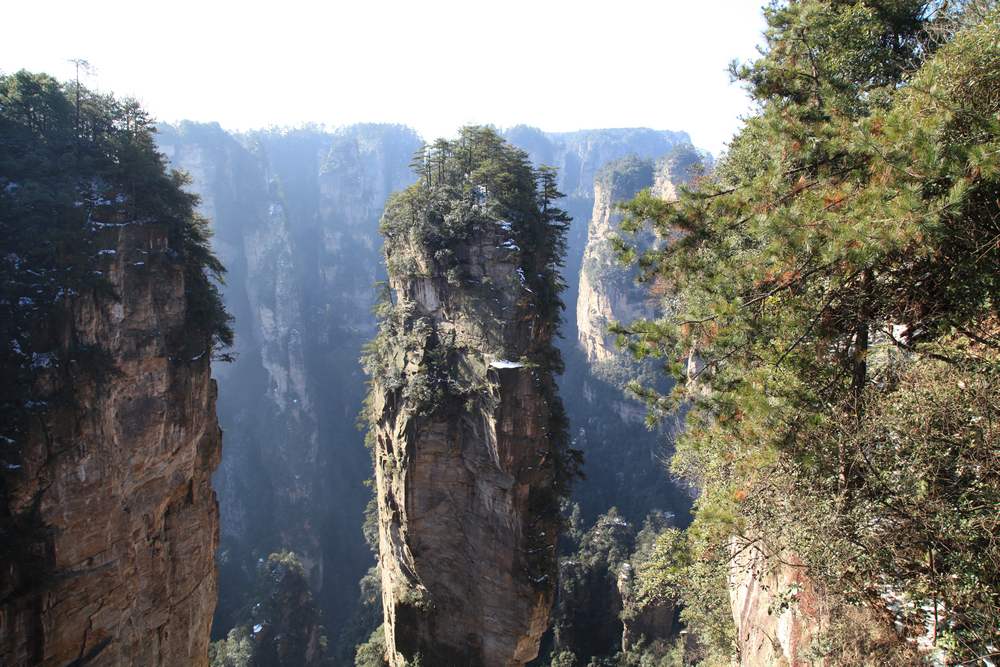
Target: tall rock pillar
468	432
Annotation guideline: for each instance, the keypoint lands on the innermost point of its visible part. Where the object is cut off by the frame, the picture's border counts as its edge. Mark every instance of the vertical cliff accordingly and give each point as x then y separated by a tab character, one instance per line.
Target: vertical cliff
114	480
579	157
468	432
625	459
108	522
608	291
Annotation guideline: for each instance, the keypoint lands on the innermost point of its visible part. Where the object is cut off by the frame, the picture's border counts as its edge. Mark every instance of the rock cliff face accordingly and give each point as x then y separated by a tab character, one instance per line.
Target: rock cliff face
115	523
466	423
777	610
295	216
608	292
626	461
579	156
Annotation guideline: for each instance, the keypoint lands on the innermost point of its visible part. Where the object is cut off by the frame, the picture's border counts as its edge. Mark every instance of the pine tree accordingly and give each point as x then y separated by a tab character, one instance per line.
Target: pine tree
845	246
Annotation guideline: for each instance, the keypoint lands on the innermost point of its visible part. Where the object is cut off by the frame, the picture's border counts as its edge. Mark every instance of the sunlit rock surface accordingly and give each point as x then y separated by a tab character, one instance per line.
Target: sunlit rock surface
111	560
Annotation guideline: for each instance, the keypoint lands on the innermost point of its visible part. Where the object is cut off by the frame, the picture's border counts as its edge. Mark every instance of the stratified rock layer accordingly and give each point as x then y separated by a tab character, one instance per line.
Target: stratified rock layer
115	523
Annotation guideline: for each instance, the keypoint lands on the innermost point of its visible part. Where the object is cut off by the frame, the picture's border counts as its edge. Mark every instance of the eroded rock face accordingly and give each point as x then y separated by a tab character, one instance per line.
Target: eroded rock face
115	518
455	490
608	291
465	429
777	609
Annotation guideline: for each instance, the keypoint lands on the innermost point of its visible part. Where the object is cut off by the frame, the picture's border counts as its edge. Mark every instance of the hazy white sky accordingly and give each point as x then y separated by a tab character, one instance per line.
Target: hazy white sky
431	64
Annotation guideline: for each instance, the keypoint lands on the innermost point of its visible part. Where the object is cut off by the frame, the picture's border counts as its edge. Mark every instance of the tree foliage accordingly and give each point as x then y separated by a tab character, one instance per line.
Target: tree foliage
74	166
282	627
469	189
837	337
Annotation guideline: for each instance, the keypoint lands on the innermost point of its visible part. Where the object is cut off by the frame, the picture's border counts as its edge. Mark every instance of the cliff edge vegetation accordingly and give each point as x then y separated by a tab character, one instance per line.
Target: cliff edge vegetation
837	342
109	320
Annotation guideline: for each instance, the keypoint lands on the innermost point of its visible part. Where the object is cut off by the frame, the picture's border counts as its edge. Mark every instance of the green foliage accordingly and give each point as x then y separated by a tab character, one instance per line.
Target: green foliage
370	526
469	187
236	650
563	659
586	619
596	592
679	566
366	619
838	281
75	167
282	627
372	653
663	571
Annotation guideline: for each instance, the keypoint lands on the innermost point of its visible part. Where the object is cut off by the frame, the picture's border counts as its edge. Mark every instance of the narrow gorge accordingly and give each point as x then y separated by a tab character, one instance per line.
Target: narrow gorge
295	216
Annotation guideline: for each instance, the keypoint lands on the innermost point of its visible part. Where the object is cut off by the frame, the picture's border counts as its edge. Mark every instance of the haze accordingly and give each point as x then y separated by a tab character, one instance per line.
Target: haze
558	65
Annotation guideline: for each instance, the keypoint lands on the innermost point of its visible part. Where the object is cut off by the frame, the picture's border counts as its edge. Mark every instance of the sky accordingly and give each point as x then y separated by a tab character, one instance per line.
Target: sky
434	65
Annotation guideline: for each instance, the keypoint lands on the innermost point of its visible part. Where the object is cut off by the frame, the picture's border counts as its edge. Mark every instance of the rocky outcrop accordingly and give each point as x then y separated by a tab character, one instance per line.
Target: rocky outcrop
626	460
286	628
601	612
777	609
466	424
111	524
579	157
608	291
